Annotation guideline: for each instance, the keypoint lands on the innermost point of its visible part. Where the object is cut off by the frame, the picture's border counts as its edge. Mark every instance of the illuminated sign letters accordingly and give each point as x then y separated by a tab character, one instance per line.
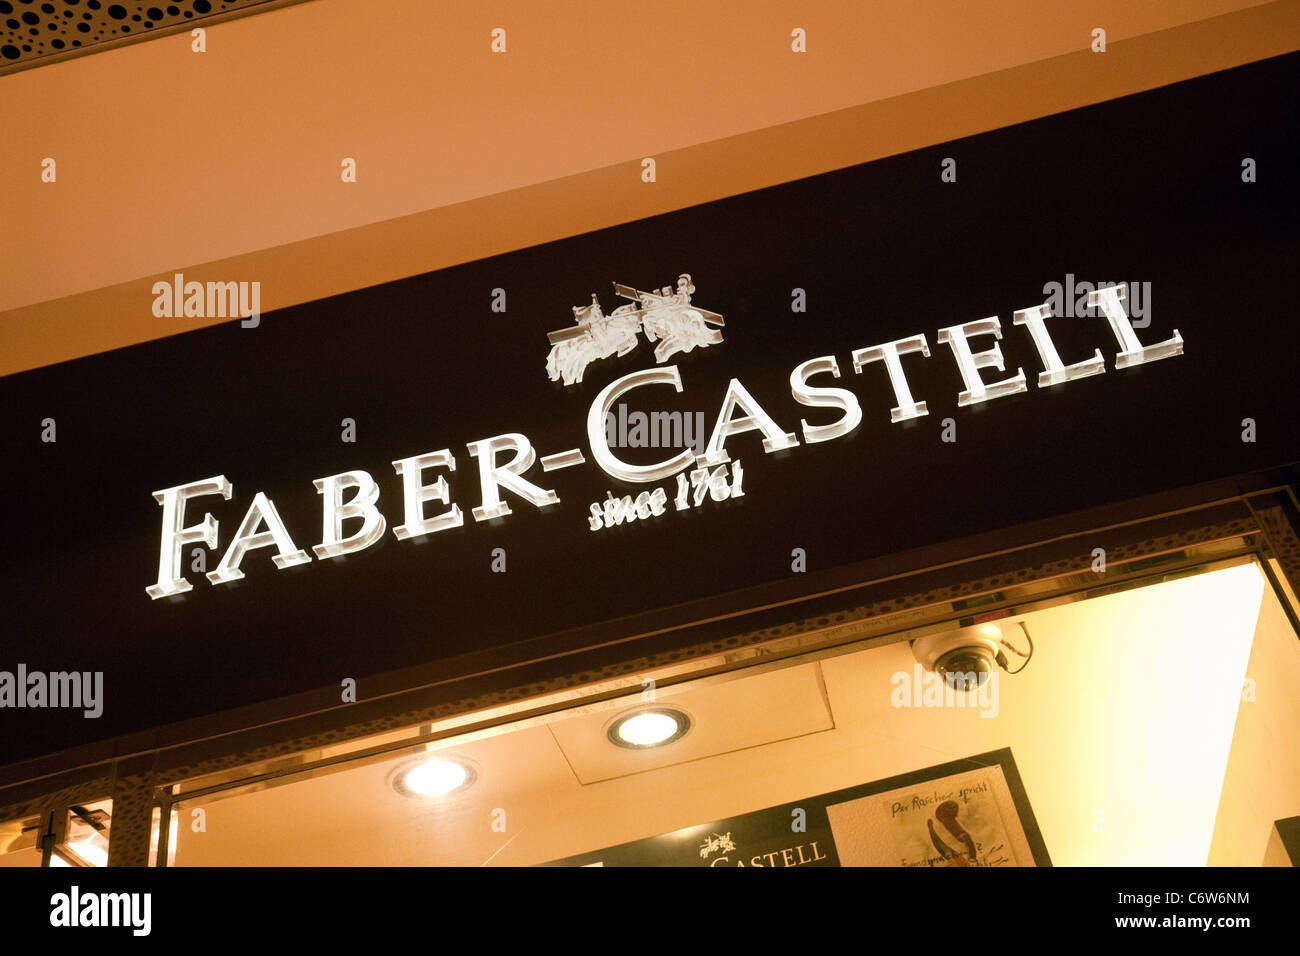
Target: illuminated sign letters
504	461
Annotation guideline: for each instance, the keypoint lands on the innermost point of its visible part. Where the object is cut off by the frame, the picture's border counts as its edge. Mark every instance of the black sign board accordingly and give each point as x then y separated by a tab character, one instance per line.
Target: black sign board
1147	190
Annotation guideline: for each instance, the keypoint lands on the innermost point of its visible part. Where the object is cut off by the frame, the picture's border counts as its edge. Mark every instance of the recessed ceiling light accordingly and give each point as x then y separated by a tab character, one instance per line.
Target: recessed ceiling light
649	727
428	776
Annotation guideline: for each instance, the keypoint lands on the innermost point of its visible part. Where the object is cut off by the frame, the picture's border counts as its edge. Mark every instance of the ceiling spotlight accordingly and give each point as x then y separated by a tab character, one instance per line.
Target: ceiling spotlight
433	777
649	727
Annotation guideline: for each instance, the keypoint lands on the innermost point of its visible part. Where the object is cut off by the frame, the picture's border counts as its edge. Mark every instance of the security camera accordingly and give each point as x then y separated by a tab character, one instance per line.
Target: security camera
966	657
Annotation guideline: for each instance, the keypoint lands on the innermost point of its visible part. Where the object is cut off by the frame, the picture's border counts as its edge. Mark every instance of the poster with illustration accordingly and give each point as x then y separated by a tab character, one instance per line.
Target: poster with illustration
962	819
949	825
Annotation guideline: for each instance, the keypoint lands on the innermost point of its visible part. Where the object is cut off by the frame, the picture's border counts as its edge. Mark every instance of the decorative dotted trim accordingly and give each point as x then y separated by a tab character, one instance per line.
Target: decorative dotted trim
131	825
1283	542
33	29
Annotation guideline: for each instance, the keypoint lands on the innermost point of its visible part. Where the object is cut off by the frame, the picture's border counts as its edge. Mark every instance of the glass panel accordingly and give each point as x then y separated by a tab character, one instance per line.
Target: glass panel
1129	726
154	832
18	845
89	826
84	844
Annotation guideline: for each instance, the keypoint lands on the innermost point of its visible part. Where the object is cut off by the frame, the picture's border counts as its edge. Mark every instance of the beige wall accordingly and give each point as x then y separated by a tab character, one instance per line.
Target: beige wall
168	159
1263	779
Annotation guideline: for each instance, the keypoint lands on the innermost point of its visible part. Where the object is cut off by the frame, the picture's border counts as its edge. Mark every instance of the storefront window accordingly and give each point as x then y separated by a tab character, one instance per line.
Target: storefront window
80	837
1150	725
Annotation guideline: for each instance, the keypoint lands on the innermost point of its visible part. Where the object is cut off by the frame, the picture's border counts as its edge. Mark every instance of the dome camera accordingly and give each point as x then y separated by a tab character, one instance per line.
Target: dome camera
964	658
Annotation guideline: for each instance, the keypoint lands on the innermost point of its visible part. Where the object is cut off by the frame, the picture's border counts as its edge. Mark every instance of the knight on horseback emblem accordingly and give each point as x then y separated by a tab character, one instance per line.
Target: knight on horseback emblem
667	317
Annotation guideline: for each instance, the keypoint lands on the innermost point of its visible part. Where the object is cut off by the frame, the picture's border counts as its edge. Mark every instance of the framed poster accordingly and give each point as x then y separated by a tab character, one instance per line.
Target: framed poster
968	812
940	818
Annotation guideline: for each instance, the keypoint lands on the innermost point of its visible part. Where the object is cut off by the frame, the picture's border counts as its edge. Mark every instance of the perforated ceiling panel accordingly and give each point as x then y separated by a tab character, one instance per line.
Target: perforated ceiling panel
35	32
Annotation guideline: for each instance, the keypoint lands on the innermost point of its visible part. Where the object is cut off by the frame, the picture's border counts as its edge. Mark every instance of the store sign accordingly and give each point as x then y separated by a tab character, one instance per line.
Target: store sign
411	483
685	480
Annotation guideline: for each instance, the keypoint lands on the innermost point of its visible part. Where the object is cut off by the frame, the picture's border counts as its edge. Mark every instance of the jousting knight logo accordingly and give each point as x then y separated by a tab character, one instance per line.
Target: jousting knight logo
670	319
665	316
